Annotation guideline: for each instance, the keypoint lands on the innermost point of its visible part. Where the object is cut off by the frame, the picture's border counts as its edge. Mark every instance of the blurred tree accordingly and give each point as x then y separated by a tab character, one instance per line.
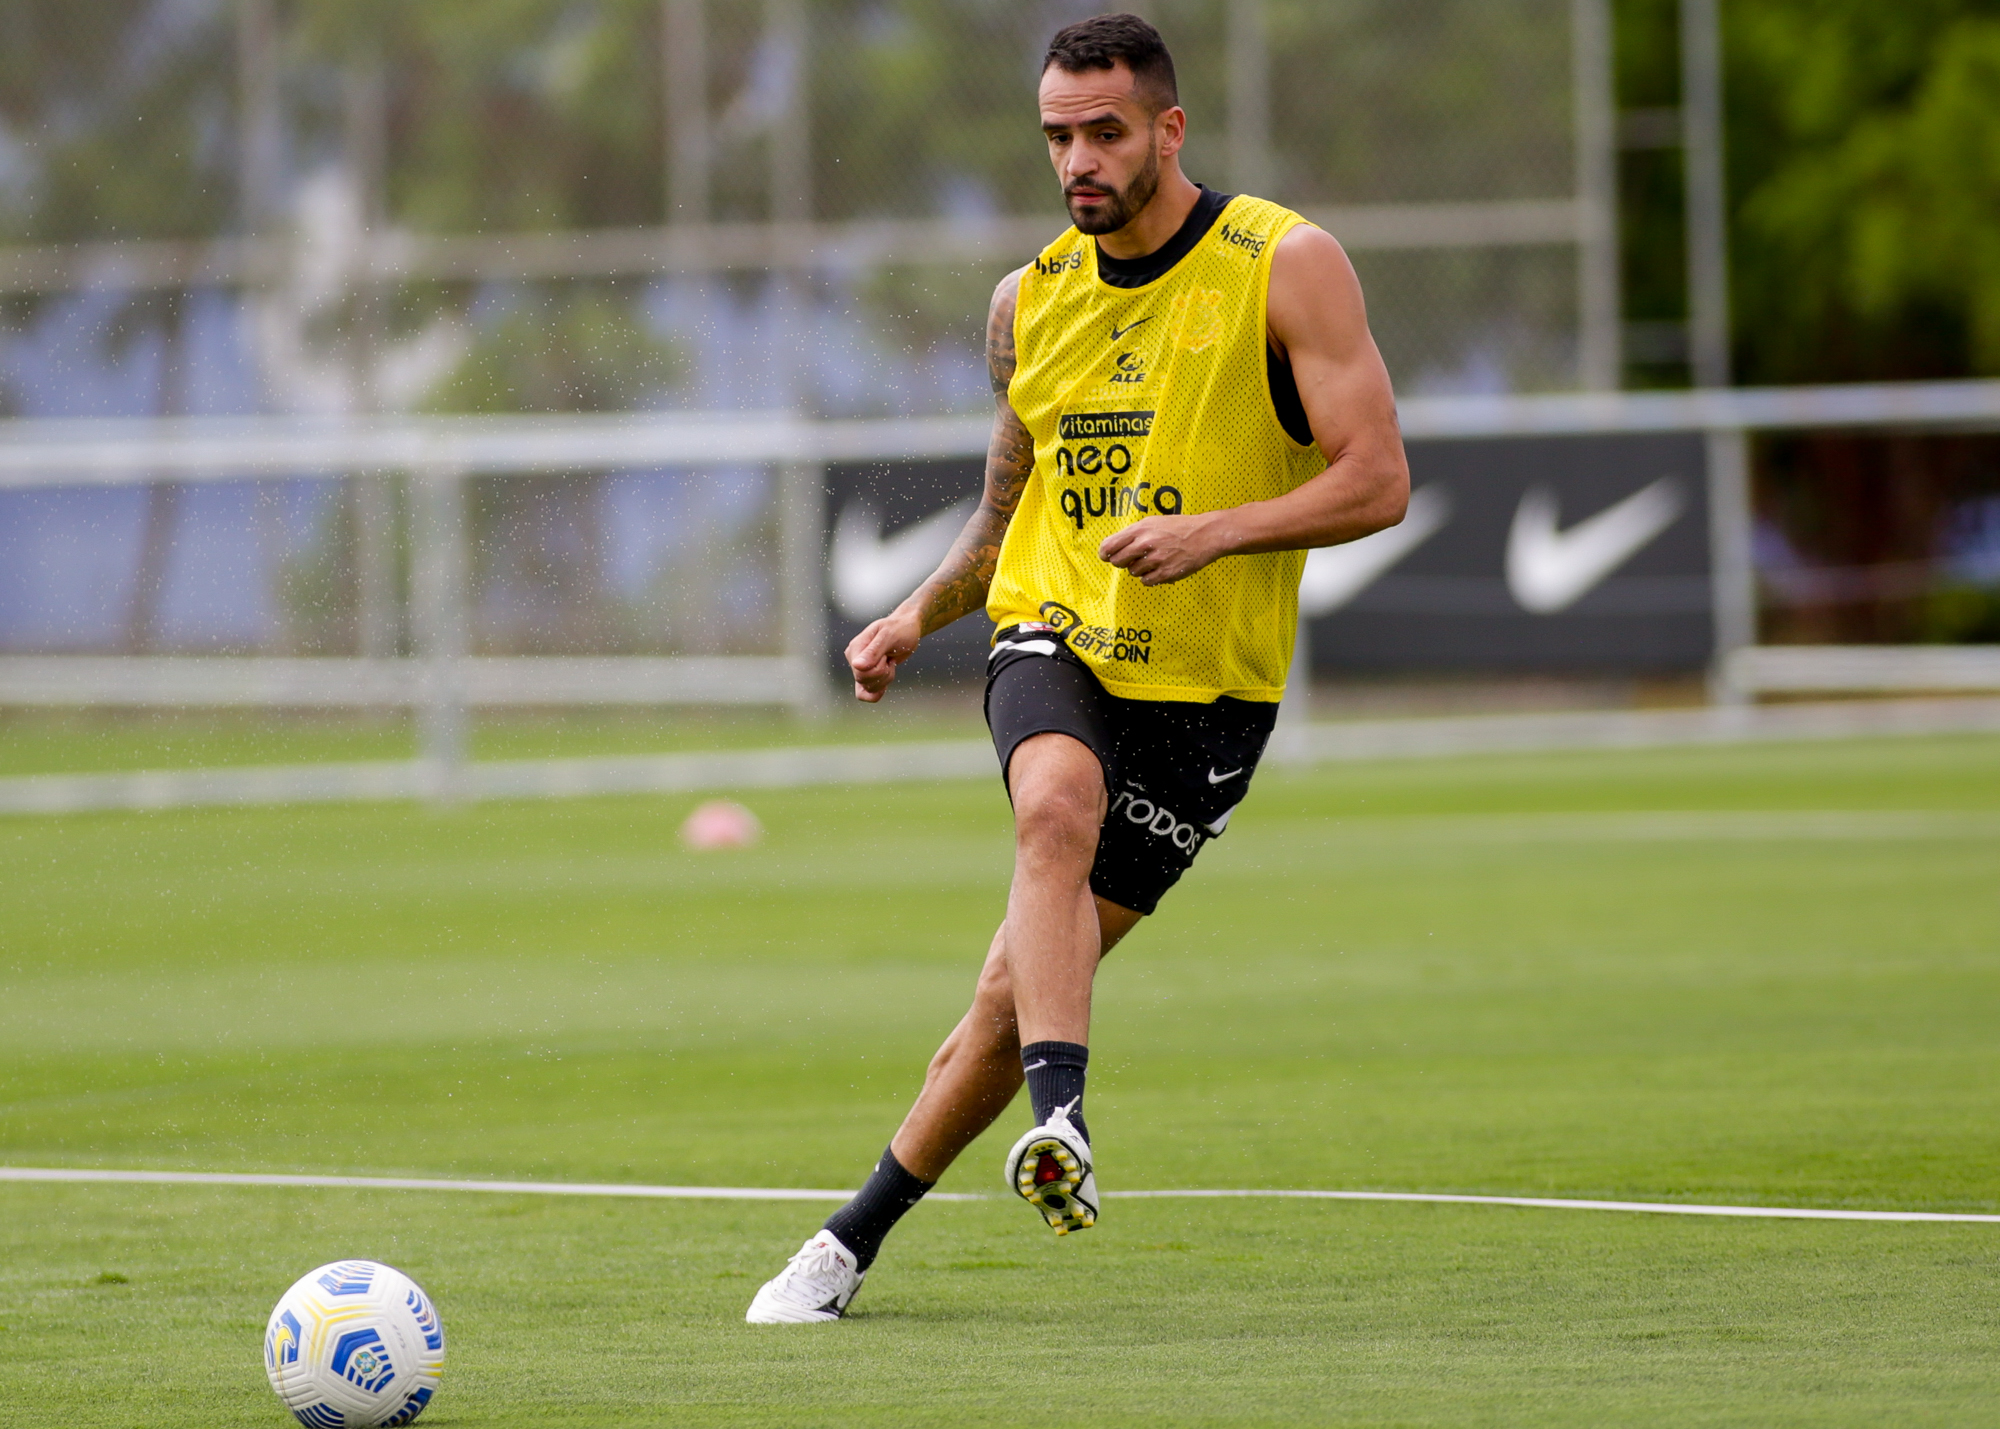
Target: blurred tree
1864	139
1864	167
523	114
116	119
1378	101
926	107
539	542
1874	244
580	349
120	118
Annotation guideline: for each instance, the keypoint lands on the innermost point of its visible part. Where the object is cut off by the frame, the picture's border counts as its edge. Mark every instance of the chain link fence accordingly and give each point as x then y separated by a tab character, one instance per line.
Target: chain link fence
330	207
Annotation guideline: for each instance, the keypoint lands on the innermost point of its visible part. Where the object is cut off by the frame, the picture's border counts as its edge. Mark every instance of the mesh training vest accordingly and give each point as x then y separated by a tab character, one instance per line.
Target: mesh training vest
1143	400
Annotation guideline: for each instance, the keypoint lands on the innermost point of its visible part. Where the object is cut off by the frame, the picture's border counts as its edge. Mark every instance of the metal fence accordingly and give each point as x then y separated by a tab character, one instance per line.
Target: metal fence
322	213
311	208
323	157
440	457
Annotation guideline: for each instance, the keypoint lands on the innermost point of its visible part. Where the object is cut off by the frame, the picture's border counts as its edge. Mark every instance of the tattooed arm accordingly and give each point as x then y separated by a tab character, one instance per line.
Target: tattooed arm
958	586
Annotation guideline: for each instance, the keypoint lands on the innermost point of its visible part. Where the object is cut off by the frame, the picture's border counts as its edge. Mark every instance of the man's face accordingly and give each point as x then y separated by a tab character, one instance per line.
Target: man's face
1106	144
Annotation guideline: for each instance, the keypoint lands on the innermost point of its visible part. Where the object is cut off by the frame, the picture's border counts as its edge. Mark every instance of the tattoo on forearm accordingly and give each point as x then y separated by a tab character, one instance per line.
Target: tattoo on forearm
959	585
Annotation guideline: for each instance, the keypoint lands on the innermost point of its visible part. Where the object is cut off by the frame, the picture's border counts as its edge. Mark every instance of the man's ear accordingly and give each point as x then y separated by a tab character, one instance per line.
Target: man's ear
1171	124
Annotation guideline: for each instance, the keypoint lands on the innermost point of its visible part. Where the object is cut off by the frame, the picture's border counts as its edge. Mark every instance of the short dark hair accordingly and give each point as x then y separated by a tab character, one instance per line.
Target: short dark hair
1103	40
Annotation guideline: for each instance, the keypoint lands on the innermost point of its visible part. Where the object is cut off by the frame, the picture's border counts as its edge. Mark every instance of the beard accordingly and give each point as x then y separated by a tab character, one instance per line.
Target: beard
1120	206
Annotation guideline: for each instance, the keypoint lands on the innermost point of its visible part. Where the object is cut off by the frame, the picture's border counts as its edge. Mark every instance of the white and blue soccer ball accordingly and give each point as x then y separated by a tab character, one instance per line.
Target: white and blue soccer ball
356	1343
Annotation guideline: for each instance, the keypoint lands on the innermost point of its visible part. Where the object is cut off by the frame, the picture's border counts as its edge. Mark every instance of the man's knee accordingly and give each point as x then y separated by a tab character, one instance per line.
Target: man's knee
1062	827
1058	789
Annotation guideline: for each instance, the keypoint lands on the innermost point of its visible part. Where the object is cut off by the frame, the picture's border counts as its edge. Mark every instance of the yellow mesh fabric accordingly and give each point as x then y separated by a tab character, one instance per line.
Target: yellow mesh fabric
1153	399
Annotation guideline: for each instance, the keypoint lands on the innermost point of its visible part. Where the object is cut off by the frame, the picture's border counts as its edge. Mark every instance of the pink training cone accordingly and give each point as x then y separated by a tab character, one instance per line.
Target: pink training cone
721	823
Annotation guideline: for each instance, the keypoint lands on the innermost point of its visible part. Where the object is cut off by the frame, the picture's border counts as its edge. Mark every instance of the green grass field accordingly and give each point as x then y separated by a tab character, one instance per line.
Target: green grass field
96	741
1743	975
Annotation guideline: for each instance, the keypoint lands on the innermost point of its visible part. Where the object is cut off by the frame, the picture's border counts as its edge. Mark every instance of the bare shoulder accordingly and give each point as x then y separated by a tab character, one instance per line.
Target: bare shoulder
1310	258
1315	297
1307	245
1006	293
1000	331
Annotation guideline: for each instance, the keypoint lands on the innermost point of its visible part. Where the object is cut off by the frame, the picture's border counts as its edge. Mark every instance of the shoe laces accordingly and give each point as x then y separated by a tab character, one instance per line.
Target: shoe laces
1063	1113
817	1265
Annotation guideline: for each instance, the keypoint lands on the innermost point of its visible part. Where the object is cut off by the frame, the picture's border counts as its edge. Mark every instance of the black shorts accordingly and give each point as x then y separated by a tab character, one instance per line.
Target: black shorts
1174	771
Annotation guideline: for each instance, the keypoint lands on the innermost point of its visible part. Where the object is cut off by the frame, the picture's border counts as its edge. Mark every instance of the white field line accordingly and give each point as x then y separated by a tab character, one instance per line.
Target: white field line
1676	826
771	1193
1326	743
1550	1203
413	1183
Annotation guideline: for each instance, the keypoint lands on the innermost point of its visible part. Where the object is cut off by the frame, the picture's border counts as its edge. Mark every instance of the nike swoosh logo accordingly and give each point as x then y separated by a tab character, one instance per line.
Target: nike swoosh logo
1549	570
1334	575
870	573
1215	778
1037	1066
1118	332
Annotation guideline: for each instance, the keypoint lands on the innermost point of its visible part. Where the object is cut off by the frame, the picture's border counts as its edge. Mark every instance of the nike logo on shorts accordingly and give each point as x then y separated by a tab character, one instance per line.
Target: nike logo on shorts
1215	778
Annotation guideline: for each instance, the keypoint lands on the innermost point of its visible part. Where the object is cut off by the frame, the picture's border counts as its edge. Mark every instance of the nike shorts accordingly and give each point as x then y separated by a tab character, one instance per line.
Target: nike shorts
1174	771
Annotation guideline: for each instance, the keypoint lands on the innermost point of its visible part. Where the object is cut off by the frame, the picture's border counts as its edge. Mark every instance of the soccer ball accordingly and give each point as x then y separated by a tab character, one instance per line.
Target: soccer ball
354	1343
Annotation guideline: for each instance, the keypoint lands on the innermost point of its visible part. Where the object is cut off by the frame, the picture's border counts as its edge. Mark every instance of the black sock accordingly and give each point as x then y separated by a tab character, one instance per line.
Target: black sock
864	1222
1055	1079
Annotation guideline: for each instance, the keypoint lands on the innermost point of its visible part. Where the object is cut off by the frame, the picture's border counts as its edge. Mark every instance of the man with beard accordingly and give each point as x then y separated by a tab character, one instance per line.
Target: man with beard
1187	399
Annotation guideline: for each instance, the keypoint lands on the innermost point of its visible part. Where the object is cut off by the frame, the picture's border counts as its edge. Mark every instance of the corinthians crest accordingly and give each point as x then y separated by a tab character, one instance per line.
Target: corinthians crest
1197	319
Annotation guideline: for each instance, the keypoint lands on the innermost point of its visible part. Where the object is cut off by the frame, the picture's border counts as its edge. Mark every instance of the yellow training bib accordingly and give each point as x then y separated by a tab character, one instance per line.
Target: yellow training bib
1143	400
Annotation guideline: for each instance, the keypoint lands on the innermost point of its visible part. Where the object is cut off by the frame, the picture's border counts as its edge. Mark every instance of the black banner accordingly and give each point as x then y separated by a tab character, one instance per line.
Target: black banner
1562	554
1584	555
888	526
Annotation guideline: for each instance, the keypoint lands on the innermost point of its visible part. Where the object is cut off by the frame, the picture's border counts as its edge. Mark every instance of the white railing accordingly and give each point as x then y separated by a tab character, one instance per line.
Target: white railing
442	679
338	683
127	450
1870	669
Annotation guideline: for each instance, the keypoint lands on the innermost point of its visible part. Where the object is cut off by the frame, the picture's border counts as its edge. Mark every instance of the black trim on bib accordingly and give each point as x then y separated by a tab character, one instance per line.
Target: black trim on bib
1138	272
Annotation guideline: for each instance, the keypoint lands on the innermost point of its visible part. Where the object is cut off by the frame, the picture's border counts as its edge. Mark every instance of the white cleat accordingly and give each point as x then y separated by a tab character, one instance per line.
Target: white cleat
816	1284
1050	1168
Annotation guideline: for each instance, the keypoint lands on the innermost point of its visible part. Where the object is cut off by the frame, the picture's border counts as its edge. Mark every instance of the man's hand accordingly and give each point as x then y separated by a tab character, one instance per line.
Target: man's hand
875	653
1162	549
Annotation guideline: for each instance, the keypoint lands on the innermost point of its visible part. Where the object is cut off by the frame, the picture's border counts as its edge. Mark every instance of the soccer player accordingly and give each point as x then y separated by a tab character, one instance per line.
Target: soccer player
1187	398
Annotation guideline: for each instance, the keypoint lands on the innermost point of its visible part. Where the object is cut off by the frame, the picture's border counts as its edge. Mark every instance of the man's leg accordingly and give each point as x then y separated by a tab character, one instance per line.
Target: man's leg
977	1071
970	1081
1037	974
1036	979
1052	930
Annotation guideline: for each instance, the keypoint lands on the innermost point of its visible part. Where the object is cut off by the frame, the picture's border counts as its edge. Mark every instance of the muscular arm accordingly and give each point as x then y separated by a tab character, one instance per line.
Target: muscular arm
1317	319
958	586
